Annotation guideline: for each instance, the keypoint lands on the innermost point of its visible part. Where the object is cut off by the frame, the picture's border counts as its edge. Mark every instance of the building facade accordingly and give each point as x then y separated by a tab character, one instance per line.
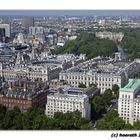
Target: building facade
110	35
6	28
101	72
129	102
24	94
66	102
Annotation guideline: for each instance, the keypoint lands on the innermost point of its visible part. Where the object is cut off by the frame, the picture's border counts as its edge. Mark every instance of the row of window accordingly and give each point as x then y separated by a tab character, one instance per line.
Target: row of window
125	109
61	99
15	101
125	115
125	96
89	78
11	106
64	102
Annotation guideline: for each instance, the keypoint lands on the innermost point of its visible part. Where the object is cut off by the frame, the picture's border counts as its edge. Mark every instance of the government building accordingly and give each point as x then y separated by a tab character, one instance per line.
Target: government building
129	101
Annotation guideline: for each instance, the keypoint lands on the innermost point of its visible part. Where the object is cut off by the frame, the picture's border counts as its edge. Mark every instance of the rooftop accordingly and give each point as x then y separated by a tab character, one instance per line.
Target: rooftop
131	86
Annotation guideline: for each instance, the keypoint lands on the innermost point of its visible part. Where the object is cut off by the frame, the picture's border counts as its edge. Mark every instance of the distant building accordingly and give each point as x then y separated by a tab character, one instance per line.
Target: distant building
27	22
24	94
4	32
129	101
36	30
110	35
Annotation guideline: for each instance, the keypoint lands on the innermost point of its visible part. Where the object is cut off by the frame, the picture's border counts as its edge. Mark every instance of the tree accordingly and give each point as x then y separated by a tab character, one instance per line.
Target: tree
90	45
3	110
81	85
102	125
17	122
136	125
117	124
107	96
51	124
111	115
39	122
87	126
98	106
63	81
128	127
92	85
115	89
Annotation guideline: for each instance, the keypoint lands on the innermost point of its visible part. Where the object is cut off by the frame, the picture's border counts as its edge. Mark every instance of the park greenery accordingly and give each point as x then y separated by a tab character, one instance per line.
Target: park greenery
130	42
87	43
35	119
92	46
112	121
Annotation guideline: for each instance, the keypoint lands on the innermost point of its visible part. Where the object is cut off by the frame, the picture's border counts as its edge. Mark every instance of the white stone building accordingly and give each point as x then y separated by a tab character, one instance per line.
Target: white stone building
110	35
57	102
103	72
129	101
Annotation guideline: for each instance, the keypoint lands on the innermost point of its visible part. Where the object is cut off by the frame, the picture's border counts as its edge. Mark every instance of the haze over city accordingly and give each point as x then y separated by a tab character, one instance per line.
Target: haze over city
71	12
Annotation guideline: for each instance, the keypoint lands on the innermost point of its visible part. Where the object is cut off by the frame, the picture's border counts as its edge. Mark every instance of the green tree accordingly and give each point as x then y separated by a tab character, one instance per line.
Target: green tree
81	85
117	124
111	115
3	111
87	126
128	127
92	85
102	125
115	89
17	122
39	122
98	106
136	125
63	81
30	116
107	96
51	124
90	45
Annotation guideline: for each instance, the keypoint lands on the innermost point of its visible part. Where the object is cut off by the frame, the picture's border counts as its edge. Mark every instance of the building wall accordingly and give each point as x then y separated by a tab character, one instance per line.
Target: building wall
64	104
10	102
7	29
103	81
129	106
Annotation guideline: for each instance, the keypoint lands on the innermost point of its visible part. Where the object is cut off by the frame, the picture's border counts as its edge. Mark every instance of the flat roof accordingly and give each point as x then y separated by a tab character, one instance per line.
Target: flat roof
131	86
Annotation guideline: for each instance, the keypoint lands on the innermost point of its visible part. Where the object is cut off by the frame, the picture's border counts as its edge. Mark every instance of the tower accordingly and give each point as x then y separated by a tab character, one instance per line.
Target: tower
27	22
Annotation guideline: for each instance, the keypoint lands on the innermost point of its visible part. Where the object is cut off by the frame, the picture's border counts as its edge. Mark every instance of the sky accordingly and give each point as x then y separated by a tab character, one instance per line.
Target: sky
69	4
72	12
